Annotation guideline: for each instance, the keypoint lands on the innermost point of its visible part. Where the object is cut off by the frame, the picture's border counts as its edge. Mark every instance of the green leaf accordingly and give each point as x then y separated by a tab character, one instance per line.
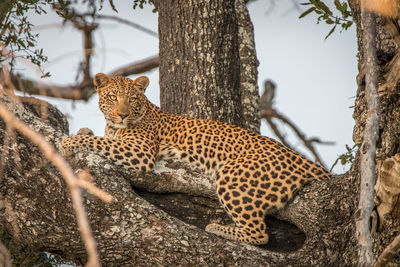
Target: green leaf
347	25
344	8
325	8
338	5
330	32
329	21
305	13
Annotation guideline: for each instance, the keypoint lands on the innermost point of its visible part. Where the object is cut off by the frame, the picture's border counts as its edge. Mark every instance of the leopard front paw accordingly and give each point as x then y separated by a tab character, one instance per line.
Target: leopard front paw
68	147
85	131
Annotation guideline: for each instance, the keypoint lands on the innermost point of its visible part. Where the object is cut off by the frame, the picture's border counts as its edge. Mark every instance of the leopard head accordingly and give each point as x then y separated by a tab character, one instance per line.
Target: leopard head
121	99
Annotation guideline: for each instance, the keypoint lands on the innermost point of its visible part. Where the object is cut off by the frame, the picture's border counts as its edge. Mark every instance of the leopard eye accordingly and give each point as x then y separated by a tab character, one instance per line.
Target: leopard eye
113	97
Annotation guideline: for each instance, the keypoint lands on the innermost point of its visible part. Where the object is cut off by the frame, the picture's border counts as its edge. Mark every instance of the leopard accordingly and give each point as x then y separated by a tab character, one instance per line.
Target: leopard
254	174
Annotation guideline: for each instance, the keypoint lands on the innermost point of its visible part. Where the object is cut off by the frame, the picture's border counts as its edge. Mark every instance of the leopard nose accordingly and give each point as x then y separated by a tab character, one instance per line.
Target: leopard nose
123	116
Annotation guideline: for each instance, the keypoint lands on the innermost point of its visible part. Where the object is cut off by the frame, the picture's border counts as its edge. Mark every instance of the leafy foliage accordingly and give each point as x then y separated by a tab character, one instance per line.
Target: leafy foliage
326	15
346	158
16	35
17	30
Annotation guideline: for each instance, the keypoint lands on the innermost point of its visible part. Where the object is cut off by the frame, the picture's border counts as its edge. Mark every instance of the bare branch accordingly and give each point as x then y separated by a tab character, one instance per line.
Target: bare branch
127	22
74	92
368	147
82	91
268	112
137	67
276	131
87	30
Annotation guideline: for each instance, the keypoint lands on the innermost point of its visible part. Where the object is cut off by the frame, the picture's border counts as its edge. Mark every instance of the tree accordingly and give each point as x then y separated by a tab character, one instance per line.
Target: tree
38	210
217	68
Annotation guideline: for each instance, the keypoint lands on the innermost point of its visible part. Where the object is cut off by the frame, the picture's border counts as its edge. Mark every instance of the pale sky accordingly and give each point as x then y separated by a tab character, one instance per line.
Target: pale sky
316	78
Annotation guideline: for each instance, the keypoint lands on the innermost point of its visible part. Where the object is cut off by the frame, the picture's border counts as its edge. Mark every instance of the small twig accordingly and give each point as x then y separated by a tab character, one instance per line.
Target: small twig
69	176
276	131
389	252
127	22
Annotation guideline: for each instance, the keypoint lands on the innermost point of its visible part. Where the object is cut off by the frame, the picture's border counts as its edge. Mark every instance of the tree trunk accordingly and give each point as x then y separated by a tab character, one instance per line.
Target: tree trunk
207	61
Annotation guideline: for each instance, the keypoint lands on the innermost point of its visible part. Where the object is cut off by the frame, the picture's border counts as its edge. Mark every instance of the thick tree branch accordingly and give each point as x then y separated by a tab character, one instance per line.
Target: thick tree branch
142	66
130	231
368	147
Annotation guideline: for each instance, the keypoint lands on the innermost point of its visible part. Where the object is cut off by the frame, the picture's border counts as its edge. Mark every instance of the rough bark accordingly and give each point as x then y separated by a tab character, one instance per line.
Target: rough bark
131	231
368	148
204	47
388	143
250	98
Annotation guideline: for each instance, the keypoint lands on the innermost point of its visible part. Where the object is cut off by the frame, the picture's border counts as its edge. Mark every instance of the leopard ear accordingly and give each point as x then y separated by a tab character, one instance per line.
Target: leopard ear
142	82
100	80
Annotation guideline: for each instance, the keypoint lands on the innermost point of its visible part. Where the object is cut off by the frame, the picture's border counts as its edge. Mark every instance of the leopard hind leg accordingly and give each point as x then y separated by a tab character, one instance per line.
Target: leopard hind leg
246	211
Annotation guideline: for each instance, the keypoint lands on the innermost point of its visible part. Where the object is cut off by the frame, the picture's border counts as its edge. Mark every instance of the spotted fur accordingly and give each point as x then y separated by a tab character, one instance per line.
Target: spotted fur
253	173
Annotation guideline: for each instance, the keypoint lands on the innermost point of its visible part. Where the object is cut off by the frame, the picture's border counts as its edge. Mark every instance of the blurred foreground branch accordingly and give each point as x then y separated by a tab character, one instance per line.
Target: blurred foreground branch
69	176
